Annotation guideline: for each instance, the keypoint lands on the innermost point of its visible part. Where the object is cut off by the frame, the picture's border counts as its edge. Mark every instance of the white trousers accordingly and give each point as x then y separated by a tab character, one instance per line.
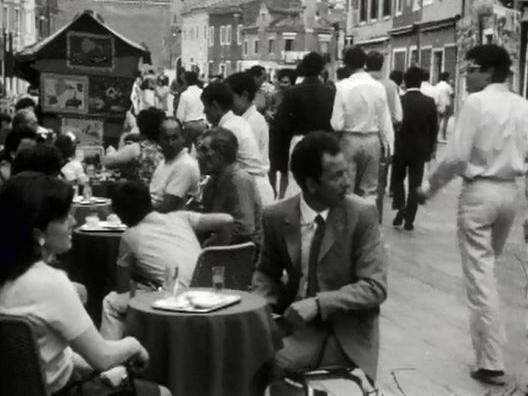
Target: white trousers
486	210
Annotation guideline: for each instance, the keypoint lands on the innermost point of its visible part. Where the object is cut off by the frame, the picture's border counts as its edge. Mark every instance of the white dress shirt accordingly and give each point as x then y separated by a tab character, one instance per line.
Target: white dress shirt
190	106
430	90
308	227
361	106
445	91
490	139
248	154
260	129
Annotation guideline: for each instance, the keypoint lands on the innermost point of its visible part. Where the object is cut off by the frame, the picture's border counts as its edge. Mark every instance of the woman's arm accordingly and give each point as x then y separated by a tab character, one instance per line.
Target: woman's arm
103	354
123	156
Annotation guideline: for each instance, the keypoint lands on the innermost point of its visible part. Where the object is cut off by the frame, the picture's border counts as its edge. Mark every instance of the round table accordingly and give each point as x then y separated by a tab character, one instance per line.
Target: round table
80	211
223	353
104	188
93	263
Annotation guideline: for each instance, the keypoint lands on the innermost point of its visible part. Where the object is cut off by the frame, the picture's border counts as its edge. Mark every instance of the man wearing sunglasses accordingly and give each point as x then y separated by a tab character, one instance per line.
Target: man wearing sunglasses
487	150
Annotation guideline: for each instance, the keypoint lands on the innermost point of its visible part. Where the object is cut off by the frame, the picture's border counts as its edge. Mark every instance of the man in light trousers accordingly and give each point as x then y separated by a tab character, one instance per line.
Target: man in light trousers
361	113
487	149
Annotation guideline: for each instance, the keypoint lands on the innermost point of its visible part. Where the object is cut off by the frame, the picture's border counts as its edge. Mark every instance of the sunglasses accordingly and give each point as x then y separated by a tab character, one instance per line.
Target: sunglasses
470	68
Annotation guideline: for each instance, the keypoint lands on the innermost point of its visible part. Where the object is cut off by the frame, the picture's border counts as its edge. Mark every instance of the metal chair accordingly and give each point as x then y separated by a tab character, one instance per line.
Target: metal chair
20	369
238	260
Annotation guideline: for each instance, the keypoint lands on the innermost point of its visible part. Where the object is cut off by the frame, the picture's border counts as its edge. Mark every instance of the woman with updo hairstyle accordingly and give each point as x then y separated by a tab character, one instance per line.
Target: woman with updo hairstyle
35	211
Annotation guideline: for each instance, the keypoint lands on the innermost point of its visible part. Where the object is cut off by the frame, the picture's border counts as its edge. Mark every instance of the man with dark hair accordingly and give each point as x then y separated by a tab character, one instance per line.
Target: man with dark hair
264	89
152	243
329	246
414	146
230	189
5	127
374	64
427	88
177	176
25	117
488	150
218	101
43	157
25	103
190	107
342	73
305	107
361	112
397	77
22	137
445	102
244	89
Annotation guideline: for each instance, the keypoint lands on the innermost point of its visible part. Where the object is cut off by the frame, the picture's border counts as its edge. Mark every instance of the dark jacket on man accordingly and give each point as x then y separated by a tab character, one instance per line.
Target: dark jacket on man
415	141
305	107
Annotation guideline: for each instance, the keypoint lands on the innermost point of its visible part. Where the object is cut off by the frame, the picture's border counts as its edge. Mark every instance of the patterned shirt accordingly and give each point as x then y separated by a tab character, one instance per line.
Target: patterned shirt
149	158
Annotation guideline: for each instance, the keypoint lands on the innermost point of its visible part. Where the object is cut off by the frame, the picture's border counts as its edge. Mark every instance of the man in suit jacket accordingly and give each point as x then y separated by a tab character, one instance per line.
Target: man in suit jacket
305	107
414	145
329	245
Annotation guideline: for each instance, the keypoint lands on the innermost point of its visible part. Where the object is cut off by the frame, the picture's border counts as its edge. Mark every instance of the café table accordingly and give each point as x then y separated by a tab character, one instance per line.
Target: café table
93	263
104	188
101	208
227	352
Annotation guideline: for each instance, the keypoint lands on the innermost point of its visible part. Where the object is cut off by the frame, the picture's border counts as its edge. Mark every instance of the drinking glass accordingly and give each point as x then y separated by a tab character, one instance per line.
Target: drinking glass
218	273
170	281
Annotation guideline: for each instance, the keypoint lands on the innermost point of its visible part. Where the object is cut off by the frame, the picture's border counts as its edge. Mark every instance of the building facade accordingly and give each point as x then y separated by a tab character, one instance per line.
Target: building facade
144	21
17	19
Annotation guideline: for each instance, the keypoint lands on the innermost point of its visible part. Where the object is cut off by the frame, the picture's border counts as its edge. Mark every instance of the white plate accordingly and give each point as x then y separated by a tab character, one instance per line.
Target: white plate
106	224
196	301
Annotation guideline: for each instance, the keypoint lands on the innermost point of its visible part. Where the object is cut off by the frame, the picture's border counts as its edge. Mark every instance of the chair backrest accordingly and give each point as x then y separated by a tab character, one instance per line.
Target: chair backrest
20	369
238	260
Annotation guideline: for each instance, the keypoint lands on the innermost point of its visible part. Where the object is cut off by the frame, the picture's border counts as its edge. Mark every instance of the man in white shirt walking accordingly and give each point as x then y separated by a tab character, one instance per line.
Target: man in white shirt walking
445	99
488	148
244	89
218	102
190	107
362	113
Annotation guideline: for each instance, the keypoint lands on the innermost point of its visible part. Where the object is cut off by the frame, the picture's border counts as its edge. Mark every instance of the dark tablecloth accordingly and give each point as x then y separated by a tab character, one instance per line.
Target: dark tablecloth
104	189
93	263
223	353
81	211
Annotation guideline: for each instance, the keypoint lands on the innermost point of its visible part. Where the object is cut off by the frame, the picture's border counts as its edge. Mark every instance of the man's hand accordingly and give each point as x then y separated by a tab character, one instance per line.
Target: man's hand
420	196
301	312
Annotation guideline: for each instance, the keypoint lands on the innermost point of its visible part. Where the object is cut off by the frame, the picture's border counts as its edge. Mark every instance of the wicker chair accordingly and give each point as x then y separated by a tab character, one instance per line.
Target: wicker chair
238	260
20	370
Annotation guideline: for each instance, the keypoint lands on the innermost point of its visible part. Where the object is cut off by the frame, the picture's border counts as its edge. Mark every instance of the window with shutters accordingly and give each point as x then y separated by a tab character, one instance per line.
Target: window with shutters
222	35
228	34
363	10
387	8
374	9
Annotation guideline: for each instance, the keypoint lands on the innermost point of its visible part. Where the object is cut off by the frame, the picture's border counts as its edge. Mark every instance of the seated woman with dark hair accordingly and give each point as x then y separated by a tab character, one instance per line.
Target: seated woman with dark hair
140	159
34	209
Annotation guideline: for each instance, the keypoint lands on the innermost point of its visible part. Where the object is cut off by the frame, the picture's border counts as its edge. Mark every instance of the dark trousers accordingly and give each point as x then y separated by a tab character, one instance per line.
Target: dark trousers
414	171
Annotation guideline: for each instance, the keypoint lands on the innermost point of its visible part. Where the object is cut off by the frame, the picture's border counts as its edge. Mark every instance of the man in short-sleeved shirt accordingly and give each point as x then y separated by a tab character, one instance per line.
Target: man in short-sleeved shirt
152	243
178	176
